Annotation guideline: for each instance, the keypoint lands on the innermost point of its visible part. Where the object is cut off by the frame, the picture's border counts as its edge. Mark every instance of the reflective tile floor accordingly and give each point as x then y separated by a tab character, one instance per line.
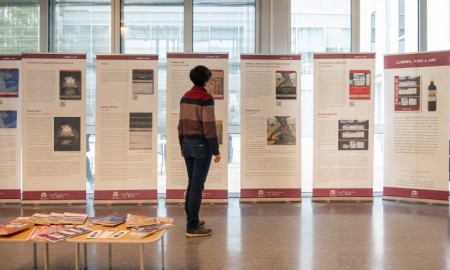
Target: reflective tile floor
308	235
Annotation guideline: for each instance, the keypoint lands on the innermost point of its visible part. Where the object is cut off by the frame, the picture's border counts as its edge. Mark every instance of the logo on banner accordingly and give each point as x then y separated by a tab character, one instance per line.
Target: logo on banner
414	194
269	194
332	192
116	195
261	193
44	195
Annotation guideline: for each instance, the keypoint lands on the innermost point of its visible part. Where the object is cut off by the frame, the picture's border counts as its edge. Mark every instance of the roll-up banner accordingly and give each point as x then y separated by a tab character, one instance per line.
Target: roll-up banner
54	133
344	94
10	127
416	144
126	144
270	127
178	82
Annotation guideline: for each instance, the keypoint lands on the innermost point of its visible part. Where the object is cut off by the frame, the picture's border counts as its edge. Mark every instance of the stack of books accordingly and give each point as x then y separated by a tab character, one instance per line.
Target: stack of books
41	219
58	218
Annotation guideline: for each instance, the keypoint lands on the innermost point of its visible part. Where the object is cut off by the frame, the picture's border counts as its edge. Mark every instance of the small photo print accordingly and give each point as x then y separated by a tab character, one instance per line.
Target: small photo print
281	130
70	84
353	135
215	84
67	134
8	119
286	84
219	131
9	82
140	131
143	82
407	93
359	84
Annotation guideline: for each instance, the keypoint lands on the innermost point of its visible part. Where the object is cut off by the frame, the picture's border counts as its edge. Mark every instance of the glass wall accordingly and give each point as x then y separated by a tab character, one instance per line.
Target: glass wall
83	26
153	27
438	25
316	26
386	27
19	21
227	26
157	27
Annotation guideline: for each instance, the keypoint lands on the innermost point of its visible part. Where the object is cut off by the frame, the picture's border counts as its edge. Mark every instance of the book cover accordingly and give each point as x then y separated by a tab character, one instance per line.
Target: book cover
111	220
14	227
143	231
359	84
73	218
64	232
139	220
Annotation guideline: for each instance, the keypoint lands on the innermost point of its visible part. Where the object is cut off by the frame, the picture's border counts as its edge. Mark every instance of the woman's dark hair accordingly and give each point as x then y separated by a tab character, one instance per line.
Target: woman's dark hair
199	75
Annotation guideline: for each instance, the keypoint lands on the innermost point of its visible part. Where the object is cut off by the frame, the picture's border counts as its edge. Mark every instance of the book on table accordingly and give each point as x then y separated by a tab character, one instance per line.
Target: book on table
111	220
41	219
62	232
59	218
14	226
133	220
145	230
73	218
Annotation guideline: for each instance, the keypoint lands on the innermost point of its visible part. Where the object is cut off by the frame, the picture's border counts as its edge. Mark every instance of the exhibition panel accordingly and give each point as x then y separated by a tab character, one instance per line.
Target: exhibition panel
343	138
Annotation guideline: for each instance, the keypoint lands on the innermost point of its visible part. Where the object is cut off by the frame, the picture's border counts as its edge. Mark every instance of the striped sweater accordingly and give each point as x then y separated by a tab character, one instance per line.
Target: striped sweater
197	117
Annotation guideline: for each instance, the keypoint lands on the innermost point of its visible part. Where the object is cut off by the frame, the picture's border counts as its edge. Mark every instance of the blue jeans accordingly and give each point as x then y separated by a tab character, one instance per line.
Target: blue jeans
197	157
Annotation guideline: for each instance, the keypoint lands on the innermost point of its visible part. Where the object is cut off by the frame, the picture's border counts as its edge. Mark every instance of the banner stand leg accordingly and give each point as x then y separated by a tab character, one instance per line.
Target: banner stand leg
415	200
329	200
270	200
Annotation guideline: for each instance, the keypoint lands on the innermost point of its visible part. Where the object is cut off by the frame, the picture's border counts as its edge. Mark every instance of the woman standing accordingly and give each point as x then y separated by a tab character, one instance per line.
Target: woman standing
198	140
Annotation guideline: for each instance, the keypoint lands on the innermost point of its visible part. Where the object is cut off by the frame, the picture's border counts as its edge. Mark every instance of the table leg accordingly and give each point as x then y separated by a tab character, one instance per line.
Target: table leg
77	256
85	256
162	253
35	255
46	256
142	256
110	256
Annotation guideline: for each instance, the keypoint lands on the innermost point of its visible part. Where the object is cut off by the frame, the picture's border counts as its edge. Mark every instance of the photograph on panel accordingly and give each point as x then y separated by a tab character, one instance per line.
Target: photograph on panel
353	135
9	82
143	82
286	84
215	84
70	84
359	84
67	134
8	119
140	131
281	130
407	93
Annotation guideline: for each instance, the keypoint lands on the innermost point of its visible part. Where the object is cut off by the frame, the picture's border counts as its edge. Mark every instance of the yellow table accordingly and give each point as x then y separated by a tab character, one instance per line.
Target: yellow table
81	239
22	236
